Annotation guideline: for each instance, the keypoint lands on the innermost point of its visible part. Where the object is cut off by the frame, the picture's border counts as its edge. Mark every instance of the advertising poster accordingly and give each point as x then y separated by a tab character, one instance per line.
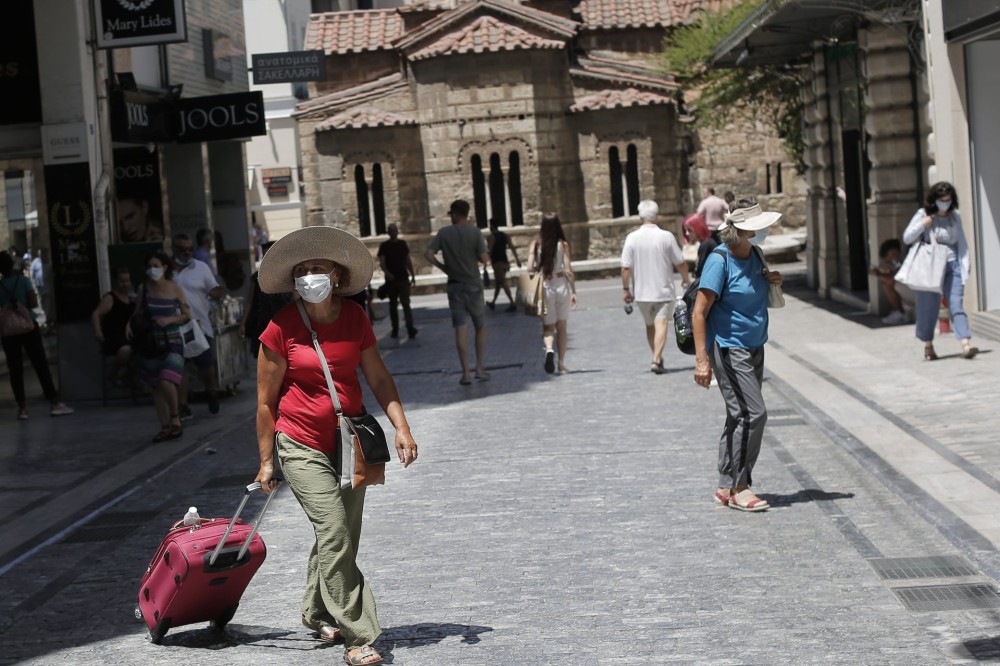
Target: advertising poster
138	200
73	241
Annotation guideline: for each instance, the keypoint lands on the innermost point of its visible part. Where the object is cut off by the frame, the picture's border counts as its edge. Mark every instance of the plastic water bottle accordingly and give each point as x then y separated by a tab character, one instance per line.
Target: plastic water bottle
628	308
191	517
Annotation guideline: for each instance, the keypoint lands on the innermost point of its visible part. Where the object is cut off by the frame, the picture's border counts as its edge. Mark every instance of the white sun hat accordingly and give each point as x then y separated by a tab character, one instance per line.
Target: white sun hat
750	219
319	242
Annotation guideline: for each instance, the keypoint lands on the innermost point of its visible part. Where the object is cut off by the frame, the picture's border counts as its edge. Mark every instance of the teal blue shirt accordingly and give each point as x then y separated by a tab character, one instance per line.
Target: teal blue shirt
738	317
20	287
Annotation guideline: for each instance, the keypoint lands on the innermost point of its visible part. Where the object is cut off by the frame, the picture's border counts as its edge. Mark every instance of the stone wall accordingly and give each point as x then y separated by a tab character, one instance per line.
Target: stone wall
345	70
745	157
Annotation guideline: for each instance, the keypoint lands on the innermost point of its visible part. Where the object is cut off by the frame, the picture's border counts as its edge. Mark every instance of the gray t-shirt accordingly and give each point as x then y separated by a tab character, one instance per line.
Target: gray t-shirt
462	246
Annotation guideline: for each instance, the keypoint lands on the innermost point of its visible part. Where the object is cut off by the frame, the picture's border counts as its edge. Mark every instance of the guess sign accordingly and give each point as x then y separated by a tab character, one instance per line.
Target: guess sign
217	117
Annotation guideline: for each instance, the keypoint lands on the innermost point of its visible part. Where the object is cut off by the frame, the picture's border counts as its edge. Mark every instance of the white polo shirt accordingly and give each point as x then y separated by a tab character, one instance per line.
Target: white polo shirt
197	280
651	253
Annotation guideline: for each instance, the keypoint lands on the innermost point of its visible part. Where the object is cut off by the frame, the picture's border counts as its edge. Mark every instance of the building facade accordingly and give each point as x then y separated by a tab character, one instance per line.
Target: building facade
118	144
898	97
519	108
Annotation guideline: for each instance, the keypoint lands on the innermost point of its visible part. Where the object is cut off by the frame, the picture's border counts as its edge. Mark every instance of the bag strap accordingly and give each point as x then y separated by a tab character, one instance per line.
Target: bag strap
323	363
760	255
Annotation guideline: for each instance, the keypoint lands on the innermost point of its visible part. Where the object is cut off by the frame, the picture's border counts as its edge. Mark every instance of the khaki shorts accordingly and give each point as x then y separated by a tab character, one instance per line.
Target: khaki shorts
653	310
466	299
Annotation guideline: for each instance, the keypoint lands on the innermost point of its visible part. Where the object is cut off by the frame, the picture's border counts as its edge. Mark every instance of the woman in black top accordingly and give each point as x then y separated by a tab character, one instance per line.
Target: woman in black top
497	245
109	320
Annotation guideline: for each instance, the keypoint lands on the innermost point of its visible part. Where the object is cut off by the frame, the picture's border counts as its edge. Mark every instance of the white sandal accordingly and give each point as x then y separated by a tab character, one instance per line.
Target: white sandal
746	500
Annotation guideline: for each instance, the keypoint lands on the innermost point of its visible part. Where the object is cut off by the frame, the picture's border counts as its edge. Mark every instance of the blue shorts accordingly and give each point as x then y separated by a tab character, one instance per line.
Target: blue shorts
466	299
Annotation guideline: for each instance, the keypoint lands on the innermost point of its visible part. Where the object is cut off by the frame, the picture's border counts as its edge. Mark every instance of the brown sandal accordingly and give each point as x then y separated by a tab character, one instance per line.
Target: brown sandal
163	435
362	656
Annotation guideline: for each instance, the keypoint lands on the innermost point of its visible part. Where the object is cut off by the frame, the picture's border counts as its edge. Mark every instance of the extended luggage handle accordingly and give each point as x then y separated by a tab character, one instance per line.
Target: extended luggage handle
250	489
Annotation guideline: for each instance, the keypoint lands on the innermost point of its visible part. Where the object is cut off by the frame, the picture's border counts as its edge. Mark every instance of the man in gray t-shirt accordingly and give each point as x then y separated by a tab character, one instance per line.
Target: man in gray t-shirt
463	247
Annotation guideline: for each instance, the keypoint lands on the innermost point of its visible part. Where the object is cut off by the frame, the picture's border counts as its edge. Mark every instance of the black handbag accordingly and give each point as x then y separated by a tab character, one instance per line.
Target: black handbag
371	438
148	339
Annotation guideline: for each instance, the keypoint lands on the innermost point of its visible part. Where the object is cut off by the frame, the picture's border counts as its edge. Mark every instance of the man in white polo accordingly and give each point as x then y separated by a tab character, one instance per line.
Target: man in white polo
200	285
649	257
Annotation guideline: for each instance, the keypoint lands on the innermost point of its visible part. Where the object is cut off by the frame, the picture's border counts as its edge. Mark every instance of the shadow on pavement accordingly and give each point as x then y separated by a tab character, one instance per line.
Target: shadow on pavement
802	496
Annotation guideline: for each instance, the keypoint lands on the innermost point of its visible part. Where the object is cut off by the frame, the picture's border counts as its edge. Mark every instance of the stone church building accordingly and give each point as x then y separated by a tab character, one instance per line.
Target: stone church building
519	108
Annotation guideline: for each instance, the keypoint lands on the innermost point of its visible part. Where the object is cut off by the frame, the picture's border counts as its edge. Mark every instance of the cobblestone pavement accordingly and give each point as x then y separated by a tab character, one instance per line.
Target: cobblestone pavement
560	519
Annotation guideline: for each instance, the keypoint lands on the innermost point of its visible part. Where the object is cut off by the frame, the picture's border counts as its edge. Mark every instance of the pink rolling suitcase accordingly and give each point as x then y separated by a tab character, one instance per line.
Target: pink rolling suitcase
199	573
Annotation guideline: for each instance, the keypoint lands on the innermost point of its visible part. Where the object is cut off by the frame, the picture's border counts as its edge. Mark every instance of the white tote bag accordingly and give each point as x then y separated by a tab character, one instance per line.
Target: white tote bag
195	342
924	266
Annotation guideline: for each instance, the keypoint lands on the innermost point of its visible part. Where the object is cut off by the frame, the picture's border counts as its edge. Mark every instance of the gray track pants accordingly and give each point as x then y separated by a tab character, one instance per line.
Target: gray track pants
740	373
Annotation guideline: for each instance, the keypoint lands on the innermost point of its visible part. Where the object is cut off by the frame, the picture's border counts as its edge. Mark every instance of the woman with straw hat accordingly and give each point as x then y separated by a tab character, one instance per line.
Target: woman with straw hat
295	416
730	328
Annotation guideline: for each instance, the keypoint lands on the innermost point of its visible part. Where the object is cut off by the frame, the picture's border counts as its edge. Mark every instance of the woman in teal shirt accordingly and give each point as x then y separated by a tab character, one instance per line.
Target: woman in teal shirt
16	286
730	329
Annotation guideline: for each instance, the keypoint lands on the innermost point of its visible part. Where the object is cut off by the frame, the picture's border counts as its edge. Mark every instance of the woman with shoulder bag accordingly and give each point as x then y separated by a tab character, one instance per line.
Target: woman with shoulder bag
296	417
18	301
939	218
549	255
160	310
730	328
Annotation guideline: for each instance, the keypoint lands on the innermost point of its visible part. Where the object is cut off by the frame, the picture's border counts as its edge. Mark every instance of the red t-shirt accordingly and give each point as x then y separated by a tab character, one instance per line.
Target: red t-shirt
305	411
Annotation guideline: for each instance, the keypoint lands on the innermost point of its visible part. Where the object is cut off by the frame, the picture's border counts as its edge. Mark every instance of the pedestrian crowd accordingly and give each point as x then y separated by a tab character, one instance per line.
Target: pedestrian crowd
309	322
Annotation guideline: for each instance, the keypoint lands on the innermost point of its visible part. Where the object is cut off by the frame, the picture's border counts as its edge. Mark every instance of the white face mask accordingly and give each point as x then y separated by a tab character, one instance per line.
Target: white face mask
759	236
943	205
182	262
313	288
154	273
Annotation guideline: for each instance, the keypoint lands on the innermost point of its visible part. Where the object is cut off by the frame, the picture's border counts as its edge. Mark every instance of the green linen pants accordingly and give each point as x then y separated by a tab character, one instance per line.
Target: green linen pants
336	592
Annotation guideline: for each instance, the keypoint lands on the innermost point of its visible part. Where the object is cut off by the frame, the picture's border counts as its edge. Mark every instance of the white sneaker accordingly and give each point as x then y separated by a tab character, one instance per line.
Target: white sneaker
894	318
59	409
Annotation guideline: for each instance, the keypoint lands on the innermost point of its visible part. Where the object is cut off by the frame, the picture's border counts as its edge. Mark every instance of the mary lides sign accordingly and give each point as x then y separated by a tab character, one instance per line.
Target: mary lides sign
139	22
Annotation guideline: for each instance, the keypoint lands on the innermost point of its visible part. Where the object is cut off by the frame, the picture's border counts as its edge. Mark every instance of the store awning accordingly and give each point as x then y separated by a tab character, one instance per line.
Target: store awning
786	31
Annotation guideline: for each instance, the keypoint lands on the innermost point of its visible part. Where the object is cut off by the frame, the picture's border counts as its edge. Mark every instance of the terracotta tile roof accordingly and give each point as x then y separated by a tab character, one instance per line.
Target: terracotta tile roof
618	74
485	34
364	93
353	32
509	13
364	116
615	14
597	14
618	99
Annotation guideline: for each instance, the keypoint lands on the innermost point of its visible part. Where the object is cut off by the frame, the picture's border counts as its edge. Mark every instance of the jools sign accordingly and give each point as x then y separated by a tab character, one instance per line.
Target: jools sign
234	116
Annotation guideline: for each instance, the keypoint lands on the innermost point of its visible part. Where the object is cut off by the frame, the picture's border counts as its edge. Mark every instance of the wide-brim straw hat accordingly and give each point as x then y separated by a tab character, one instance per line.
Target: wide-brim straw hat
750	219
320	242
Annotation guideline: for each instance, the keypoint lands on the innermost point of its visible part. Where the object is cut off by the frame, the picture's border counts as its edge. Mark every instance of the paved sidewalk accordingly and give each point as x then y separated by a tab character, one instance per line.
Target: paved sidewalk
566	519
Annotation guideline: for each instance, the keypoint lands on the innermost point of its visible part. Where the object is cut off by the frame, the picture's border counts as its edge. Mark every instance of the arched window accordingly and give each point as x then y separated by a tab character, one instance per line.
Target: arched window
479	188
378	199
371	200
617	195
498	206
364	213
632	179
514	187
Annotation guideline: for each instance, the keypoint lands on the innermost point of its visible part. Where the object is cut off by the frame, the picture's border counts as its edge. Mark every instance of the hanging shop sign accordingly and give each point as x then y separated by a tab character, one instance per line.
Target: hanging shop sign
139	117
19	65
219	117
73	241
139	22
288	67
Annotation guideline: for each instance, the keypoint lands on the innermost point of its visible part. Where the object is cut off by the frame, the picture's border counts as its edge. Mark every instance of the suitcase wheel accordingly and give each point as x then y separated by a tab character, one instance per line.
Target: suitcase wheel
156	634
219	623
